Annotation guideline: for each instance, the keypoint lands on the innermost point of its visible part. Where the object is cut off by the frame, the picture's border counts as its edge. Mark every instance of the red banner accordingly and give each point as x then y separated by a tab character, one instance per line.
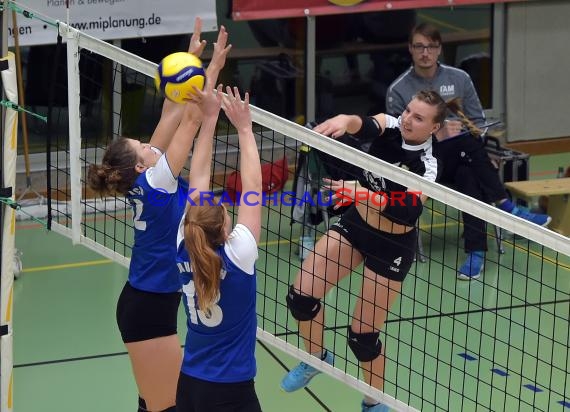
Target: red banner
274	9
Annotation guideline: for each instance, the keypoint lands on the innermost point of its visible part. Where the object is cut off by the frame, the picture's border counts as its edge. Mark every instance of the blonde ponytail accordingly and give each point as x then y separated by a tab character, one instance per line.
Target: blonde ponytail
203	233
454	105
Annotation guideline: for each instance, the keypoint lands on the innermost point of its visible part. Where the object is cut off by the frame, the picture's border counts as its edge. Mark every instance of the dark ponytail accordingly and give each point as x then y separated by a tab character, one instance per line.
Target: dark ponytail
117	172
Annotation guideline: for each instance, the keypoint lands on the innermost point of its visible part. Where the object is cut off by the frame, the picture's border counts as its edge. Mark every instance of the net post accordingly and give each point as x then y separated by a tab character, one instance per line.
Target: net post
8	225
73	91
117	93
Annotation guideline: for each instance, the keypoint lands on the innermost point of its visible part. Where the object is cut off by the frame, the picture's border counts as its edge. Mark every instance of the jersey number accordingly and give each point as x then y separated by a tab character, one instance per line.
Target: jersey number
139	224
210	319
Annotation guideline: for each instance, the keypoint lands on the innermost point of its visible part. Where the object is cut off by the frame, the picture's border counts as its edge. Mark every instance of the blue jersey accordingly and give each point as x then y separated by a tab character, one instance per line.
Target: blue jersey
158	200
220	345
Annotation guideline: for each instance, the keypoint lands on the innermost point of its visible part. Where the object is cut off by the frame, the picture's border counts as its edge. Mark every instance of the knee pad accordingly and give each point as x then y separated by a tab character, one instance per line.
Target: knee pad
365	346
142	405
302	307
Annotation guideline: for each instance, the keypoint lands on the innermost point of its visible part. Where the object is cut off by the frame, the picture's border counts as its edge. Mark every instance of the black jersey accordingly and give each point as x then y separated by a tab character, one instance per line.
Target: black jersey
392	148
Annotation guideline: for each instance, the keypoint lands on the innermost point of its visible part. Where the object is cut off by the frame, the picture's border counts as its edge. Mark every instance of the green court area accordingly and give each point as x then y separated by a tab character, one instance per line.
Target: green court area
499	343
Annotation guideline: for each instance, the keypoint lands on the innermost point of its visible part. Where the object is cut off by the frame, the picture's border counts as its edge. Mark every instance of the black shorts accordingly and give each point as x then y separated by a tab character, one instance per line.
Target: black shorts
146	315
388	255
197	395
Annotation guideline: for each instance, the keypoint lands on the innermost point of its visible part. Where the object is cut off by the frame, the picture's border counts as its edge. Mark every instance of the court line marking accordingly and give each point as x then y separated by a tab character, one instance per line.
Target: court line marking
67	265
116	354
280	362
287	241
66	360
261	244
445	314
108	261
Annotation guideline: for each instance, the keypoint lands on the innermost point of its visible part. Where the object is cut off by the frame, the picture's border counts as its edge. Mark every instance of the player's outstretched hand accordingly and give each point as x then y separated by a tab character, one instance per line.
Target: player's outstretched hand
334	127
236	109
221	50
209	100
196	46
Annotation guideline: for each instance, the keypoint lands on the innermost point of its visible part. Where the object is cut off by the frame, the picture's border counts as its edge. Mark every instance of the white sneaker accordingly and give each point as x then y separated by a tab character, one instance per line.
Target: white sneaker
17	263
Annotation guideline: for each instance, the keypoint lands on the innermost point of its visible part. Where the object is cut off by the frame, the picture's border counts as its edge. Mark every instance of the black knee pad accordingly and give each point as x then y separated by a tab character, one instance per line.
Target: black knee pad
142	405
302	307
365	346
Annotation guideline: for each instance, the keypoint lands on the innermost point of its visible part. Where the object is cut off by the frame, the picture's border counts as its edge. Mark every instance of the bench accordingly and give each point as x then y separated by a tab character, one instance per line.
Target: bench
558	191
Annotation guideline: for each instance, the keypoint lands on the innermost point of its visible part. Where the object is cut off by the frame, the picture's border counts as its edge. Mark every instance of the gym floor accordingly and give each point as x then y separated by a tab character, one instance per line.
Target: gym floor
68	355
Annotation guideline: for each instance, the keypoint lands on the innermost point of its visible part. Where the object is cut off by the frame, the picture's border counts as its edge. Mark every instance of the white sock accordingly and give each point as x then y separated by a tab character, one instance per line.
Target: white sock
370	401
320	354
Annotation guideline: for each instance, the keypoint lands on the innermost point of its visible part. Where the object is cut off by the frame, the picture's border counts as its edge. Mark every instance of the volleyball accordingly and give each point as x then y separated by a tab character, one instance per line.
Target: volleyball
177	73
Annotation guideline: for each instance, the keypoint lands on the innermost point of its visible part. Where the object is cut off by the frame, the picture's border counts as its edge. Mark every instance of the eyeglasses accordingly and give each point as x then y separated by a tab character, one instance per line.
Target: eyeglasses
419	48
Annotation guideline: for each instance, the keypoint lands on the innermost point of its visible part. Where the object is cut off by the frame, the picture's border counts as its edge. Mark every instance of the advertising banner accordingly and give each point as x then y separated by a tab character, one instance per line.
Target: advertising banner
274	9
111	19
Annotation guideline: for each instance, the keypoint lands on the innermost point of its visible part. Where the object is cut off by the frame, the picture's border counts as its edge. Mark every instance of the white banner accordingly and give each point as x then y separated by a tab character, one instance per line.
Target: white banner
112	19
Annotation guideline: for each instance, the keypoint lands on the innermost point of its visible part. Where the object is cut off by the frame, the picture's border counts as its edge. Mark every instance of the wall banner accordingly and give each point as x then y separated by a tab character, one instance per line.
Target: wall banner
274	9
112	19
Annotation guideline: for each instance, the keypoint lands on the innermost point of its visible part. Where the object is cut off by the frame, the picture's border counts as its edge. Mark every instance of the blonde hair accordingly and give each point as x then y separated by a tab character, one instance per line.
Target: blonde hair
442	107
203	234
432	98
454	105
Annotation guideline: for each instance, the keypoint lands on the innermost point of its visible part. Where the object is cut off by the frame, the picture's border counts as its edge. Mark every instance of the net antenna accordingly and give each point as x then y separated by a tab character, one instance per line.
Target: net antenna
67	12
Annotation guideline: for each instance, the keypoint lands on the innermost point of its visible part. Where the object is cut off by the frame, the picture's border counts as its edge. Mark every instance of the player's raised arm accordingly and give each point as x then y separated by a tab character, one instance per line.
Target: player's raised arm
201	165
221	50
171	114
238	111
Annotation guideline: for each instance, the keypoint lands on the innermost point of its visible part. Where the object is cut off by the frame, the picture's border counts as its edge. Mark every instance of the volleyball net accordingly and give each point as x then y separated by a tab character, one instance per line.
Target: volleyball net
498	343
